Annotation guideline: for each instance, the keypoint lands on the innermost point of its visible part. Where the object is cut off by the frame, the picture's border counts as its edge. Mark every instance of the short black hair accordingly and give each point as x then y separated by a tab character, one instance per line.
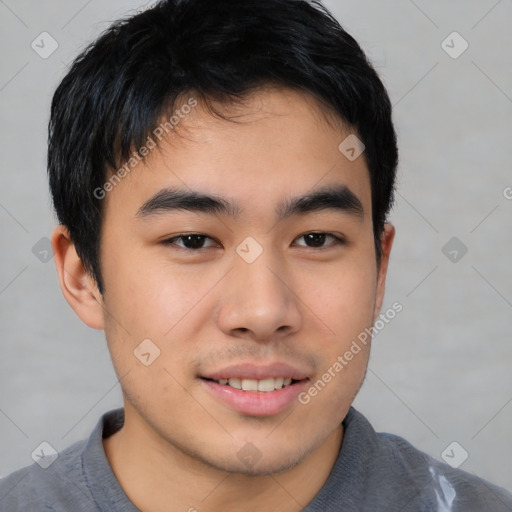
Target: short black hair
119	88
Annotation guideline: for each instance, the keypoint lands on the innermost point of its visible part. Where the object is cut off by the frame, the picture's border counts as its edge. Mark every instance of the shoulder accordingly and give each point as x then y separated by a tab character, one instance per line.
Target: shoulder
77	479
451	489
36	488
391	471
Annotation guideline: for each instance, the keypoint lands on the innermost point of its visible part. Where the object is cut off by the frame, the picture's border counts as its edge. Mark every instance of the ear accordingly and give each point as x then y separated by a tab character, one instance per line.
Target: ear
386	242
77	285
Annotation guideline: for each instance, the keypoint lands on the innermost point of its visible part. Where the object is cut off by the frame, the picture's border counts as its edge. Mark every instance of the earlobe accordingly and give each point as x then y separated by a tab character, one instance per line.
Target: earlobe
77	285
387	238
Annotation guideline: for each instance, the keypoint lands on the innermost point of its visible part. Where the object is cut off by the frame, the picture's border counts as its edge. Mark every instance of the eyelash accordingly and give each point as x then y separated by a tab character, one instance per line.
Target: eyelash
171	241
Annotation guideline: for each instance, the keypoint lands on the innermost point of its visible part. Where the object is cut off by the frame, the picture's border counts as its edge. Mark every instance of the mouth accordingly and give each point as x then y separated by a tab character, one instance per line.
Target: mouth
256	390
262	386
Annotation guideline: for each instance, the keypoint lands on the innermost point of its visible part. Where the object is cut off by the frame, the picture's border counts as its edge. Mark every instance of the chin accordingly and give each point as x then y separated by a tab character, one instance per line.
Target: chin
261	467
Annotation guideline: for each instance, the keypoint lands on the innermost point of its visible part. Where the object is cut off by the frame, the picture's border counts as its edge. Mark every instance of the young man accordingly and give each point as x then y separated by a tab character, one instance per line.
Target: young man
222	173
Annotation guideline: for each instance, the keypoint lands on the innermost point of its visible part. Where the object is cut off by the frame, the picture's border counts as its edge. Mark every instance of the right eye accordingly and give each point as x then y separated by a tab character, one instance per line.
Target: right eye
192	242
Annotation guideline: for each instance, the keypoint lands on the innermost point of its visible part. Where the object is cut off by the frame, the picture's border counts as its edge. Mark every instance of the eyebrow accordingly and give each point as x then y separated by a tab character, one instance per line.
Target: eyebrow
336	198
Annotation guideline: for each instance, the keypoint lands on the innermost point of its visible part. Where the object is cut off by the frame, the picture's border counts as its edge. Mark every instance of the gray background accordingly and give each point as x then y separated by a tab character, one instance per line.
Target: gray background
440	372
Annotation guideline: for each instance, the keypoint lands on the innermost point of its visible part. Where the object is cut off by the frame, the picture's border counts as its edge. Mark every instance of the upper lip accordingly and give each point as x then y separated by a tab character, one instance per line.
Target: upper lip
257	372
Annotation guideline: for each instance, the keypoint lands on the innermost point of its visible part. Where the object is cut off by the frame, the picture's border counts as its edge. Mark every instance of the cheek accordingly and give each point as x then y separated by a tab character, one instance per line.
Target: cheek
347	310
344	301
151	298
344	298
160	303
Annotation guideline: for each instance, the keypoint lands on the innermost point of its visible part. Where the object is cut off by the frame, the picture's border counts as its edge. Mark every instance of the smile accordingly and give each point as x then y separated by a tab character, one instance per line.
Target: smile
263	385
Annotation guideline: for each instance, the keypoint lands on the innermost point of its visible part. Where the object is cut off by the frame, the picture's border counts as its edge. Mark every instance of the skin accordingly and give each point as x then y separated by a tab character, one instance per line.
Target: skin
206	309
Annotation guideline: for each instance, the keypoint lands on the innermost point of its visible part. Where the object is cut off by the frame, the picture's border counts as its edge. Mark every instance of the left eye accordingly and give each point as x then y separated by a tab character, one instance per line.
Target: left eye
315	240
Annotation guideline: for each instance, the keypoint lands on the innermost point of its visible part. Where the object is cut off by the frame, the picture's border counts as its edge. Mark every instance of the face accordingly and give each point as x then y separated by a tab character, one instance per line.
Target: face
249	287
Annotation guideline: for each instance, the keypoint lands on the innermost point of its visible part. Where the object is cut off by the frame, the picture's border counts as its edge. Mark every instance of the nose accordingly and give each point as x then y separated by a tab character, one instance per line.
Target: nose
258	301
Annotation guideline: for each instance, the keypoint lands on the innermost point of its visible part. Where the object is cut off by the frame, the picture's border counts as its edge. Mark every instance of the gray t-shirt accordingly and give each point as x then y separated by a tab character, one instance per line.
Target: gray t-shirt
374	472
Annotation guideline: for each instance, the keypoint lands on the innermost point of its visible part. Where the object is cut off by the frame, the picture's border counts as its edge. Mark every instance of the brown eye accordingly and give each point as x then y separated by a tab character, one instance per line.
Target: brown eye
317	240
192	242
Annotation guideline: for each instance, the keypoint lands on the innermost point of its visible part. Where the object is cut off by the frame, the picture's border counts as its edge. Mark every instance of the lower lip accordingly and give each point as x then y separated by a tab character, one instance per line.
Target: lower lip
256	403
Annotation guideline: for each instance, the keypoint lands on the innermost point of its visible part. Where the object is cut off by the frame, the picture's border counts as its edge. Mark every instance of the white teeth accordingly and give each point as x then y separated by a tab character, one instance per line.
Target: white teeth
266	384
249	385
263	385
235	383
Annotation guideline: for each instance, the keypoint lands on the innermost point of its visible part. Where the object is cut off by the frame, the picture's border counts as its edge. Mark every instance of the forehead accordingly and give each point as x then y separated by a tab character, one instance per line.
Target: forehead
274	144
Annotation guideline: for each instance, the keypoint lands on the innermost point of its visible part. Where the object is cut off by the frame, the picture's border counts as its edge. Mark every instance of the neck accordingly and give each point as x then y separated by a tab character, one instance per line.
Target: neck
142	460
